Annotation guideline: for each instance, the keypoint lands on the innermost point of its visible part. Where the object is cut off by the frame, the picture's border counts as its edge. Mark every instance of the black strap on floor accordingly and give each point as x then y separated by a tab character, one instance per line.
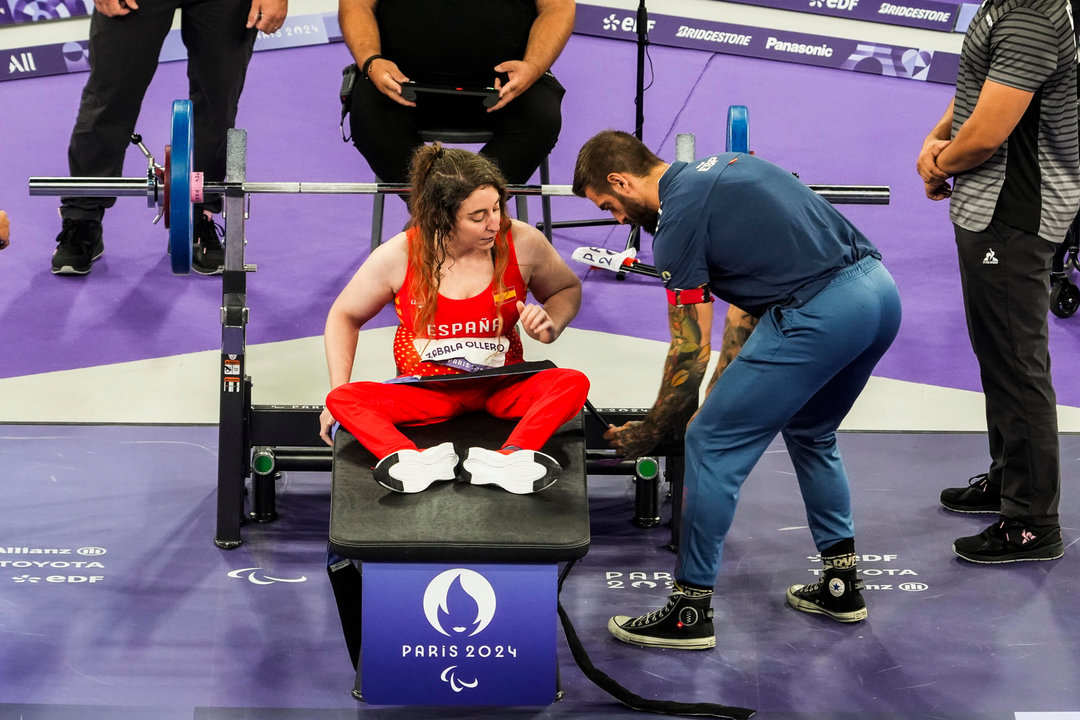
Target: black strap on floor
627	698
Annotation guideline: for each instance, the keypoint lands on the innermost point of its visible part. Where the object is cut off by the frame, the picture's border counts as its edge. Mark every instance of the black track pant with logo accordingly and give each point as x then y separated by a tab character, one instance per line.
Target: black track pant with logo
124	53
1004	273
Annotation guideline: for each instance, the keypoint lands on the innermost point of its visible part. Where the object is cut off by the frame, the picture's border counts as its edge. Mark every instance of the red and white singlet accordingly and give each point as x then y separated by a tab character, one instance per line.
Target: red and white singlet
468	335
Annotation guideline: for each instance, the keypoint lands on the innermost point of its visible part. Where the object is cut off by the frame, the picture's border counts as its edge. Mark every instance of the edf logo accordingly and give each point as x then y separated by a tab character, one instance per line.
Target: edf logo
450	591
612	22
834	4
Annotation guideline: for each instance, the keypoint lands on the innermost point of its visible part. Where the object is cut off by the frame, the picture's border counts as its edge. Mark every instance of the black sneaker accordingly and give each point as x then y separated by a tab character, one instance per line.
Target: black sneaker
1009	540
685	623
836	595
79	244
978	497
207	254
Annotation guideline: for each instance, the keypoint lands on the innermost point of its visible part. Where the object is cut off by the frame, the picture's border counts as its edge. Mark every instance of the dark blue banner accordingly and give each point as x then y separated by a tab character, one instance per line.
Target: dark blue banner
446	635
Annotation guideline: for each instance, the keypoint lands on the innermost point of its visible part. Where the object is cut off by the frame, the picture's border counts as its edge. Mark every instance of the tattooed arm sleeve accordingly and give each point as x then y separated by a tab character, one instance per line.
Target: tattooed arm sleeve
738	324
684	370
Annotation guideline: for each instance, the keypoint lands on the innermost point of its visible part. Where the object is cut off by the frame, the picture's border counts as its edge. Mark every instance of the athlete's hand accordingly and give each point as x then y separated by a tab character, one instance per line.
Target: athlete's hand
634	439
326	423
536	322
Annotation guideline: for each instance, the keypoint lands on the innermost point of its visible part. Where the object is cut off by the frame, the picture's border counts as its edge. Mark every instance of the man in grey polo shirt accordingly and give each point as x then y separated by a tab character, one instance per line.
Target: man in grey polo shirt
1009	142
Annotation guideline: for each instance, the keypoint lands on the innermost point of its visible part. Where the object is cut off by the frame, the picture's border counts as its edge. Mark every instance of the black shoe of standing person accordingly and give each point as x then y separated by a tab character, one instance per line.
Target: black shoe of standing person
978	497
78	245
207	253
685	623
1010	540
837	595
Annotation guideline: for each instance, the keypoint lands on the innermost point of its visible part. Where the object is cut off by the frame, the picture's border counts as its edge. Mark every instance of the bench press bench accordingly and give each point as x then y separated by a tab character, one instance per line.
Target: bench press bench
460	582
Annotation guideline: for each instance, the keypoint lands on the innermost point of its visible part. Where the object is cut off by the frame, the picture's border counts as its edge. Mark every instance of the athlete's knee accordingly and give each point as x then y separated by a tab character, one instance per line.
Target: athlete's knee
352	396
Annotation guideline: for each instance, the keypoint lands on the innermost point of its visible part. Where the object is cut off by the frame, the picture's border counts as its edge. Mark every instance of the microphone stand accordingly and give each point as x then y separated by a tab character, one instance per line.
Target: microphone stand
642	22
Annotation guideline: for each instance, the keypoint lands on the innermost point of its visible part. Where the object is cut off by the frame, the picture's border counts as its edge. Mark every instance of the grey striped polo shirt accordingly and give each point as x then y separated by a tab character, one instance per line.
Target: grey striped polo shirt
1033	180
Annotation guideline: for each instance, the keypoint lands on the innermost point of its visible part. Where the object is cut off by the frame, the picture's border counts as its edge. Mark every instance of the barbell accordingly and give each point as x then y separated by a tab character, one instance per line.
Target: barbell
175	188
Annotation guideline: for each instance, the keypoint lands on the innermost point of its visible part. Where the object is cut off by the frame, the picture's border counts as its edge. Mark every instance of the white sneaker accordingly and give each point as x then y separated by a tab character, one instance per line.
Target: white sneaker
410	471
520	472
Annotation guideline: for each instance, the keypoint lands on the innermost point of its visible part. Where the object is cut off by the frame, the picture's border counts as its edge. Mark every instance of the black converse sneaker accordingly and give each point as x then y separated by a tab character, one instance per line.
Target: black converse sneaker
520	472
410	471
79	244
838	593
685	623
207	254
1008	541
978	497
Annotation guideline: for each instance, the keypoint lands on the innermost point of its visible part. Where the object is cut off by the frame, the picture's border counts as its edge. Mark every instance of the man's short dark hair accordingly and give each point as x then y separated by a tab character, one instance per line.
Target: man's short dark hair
607	152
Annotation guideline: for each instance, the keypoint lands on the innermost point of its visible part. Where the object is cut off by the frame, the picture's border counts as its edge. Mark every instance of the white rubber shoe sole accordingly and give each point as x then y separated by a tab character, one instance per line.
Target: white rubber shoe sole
412	471
521	472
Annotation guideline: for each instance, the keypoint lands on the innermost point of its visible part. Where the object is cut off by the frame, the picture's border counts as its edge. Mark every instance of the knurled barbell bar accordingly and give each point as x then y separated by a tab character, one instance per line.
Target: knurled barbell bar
165	185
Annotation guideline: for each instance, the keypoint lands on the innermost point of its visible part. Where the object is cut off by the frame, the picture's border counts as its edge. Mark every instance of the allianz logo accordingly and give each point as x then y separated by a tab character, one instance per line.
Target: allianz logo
628	23
834	4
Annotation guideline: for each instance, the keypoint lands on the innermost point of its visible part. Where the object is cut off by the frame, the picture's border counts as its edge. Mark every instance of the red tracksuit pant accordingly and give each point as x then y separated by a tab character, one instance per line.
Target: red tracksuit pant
541	402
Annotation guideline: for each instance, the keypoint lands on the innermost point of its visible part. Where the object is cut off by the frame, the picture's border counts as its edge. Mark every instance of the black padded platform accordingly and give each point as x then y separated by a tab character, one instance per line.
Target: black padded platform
455	522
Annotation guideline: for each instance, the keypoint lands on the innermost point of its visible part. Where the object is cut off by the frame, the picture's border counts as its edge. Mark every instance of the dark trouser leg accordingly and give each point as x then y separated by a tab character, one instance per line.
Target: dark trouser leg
123	58
219	49
526	130
1004	273
386	133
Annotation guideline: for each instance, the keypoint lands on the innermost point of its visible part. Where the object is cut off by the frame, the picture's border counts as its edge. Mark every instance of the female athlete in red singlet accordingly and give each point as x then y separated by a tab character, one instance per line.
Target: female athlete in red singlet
458	278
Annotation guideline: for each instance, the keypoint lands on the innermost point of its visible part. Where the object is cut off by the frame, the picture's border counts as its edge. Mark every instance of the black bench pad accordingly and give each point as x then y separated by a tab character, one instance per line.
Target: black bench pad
453	522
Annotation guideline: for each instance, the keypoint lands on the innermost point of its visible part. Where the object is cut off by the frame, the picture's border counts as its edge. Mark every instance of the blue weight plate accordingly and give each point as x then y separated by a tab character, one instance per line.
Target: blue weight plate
738	129
181	220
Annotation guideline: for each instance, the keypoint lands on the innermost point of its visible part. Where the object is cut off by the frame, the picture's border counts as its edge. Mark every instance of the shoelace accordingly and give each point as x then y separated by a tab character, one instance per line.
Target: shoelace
69	235
655	614
978	480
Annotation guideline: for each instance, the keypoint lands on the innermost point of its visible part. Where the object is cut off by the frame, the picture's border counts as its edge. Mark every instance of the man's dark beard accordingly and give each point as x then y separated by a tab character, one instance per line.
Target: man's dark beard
638	214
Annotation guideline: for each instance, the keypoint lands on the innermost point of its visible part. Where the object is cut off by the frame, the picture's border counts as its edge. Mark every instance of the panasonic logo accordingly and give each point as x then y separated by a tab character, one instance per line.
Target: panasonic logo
822	50
722	38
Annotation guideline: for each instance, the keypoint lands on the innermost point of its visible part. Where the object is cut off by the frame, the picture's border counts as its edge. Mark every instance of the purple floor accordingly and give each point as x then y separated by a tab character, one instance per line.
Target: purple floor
127	609
833	127
163	624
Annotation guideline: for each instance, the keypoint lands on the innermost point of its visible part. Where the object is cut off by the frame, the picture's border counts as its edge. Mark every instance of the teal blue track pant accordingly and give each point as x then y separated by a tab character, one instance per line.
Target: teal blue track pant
798	374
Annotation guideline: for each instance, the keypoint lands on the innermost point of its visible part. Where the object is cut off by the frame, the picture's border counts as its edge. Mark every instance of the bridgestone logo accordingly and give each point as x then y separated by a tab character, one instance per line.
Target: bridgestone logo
722	38
915	13
798	48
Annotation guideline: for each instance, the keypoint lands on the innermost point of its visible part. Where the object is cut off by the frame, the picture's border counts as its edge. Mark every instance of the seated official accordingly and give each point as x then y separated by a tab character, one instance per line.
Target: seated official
458	278
509	45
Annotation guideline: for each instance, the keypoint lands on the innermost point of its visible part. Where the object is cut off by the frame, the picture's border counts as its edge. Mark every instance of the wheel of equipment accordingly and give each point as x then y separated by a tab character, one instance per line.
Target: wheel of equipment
1064	299
179	191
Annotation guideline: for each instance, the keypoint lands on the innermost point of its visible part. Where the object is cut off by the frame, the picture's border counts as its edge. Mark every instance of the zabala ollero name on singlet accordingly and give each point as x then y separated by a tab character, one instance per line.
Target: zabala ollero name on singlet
449	348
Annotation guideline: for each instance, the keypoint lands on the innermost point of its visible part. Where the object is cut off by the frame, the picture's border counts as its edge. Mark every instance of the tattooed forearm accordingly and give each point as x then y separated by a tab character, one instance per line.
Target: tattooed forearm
737	328
684	370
